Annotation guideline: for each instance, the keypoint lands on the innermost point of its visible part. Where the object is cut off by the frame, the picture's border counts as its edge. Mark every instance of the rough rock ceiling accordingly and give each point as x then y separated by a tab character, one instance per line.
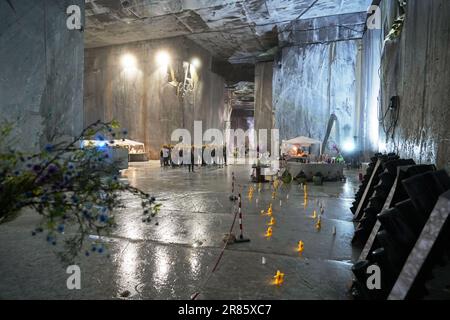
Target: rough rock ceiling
234	30
242	96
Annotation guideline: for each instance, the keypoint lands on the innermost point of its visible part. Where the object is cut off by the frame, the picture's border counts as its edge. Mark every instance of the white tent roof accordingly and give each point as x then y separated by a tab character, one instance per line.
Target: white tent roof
302	141
117	143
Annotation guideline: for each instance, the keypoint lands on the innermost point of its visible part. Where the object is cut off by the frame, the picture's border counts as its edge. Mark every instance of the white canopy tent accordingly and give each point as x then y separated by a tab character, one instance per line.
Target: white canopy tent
302	141
133	147
299	141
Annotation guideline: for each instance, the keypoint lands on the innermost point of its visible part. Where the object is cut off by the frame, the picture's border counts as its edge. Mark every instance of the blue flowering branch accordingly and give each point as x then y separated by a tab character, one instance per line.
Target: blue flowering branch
76	190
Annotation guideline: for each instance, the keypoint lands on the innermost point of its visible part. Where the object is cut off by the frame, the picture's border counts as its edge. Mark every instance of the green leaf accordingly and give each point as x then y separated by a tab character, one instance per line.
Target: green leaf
115	124
90	132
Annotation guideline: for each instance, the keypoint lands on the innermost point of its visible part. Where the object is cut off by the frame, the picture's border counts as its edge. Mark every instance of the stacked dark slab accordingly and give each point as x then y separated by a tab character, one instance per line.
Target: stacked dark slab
393	211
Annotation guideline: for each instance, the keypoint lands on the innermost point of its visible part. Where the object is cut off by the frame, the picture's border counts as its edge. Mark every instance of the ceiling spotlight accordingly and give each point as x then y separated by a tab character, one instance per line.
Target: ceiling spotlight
129	61
196	62
163	58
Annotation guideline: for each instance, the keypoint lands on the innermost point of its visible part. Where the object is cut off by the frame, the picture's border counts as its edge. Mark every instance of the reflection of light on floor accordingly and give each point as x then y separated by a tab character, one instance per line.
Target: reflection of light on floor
194	263
348	188
168	232
128	274
132	176
133	228
162	268
198	231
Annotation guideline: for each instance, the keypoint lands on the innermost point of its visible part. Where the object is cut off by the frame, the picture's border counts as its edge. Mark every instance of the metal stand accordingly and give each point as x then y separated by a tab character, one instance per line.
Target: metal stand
233	196
241	238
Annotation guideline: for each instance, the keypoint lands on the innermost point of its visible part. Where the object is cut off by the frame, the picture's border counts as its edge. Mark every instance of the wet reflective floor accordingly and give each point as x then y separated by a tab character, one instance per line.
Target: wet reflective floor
172	256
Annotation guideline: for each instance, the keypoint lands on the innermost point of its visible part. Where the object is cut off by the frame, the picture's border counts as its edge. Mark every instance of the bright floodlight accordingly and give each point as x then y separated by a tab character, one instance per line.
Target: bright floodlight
128	61
349	146
196	62
163	58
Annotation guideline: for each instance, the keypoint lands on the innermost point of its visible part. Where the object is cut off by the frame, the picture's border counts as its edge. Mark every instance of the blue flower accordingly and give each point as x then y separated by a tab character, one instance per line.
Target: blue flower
52	169
49	148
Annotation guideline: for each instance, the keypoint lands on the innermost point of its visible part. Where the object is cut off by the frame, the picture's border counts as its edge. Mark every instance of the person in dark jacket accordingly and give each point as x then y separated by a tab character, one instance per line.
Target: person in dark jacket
213	156
225	154
192	162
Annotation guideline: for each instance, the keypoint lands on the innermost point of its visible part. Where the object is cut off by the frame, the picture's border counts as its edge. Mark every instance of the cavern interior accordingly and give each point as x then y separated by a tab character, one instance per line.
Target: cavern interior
224	149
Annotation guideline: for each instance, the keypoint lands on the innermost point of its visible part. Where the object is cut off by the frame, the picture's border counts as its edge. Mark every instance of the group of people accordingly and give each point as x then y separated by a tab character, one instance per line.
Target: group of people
191	156
325	158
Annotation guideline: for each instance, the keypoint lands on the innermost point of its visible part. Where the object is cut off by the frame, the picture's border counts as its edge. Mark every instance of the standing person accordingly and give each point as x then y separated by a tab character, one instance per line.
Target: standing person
166	155
170	155
220	156
192	160
225	154
180	154
203	156
213	155
161	157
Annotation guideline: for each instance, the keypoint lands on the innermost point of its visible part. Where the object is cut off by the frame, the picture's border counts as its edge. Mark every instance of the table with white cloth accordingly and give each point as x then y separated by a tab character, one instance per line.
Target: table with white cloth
330	171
